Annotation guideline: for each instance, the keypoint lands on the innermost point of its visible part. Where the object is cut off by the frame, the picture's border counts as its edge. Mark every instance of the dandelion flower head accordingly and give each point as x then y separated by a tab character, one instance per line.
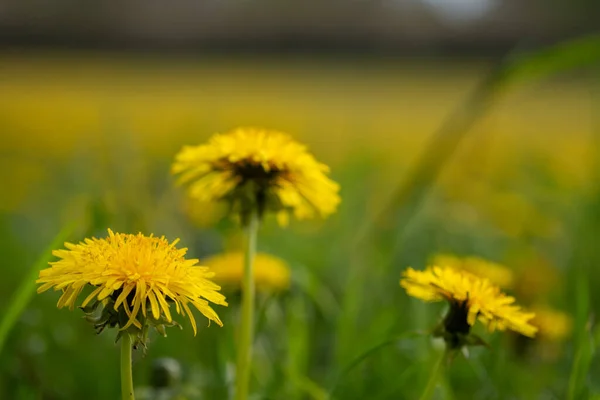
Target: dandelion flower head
260	169
271	274
135	278
497	274
470	298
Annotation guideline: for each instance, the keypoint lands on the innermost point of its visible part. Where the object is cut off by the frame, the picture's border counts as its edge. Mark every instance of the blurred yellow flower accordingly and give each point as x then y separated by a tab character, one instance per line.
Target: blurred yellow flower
270	273
517	215
553	325
135	278
257	169
470	298
203	213
537	277
496	273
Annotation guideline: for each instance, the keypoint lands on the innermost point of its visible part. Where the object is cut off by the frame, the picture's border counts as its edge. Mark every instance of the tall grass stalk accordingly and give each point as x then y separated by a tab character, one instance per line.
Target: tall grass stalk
246	335
434	377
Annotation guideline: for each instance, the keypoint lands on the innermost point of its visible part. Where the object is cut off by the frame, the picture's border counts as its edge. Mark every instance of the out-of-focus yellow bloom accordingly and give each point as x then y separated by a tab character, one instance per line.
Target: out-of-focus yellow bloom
21	176
553	325
496	273
511	212
257	169
537	278
517	216
470	298
203	213
135	278
270	273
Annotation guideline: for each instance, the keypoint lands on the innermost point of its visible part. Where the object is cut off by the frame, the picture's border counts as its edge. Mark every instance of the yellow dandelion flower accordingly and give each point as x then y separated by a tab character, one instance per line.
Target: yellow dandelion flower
258	169
553	325
135	278
470	298
497	274
270	273
202	213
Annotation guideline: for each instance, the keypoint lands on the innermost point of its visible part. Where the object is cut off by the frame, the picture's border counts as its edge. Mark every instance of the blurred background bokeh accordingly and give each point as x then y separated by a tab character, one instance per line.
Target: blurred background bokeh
437	149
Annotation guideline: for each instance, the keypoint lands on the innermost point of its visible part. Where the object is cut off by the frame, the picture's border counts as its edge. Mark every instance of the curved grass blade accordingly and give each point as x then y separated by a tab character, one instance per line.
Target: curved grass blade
368	353
516	66
26	289
583	339
308	386
564	56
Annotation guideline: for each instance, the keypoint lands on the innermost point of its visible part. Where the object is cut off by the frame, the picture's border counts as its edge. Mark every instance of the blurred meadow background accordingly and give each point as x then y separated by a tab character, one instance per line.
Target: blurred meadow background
465	128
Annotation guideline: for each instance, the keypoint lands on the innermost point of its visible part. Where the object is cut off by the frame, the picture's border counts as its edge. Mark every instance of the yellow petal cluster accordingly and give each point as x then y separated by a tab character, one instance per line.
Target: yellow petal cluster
484	301
141	274
285	177
270	273
496	273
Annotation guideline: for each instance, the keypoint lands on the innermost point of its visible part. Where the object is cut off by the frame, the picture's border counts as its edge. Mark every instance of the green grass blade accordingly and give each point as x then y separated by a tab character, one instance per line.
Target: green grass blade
298	342
26	289
368	353
411	194
563	56
515	67
582	336
584	341
307	386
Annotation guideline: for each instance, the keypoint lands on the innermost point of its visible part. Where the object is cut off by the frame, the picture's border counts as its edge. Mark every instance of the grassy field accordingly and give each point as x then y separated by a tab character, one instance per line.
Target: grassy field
88	139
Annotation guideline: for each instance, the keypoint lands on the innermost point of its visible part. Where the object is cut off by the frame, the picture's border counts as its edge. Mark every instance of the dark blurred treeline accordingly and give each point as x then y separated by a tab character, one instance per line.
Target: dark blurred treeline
454	26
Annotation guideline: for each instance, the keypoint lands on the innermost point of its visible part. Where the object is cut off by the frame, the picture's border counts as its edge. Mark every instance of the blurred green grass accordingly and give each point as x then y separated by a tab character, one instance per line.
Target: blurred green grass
90	137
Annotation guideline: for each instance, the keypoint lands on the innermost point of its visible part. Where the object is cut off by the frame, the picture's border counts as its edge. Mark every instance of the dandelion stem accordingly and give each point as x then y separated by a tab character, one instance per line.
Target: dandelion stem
244	356
126	375
433	378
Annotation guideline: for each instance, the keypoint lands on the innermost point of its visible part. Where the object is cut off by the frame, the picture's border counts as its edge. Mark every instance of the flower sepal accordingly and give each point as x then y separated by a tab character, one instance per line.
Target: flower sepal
248	197
458	340
101	314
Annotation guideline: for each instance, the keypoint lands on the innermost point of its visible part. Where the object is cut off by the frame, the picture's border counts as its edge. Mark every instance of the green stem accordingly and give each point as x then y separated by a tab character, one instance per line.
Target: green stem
126	375
433	378
244	356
